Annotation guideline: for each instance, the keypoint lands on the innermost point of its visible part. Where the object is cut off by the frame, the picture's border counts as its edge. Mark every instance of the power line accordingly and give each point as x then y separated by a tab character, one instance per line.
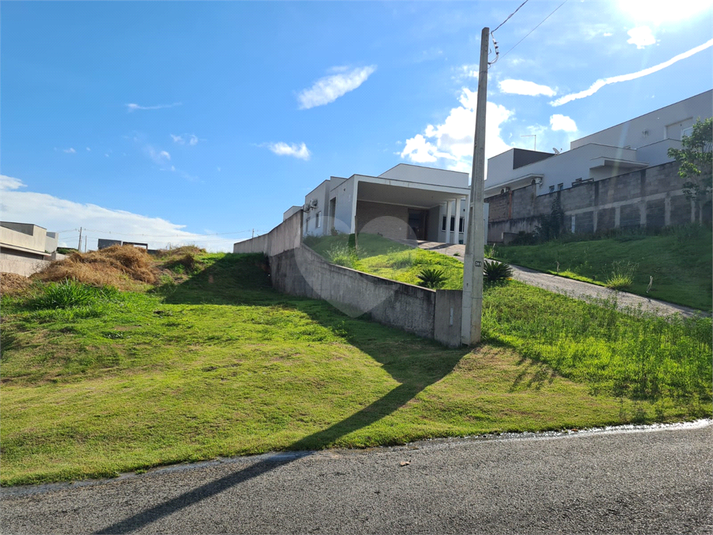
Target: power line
510	16
540	24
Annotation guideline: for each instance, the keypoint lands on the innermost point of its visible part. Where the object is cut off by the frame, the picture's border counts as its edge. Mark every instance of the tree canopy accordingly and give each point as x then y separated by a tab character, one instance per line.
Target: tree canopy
694	158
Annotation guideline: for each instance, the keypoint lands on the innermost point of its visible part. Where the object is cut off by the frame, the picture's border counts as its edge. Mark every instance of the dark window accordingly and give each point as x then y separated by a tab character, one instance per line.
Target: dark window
461	225
443	226
453	223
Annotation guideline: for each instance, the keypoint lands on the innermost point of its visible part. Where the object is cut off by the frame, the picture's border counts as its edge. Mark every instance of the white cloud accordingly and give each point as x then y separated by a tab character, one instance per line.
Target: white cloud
641	37
70	150
596	86
8	183
89	150
562	122
330	88
283	149
159	157
182	139
134	107
451	144
523	87
55	214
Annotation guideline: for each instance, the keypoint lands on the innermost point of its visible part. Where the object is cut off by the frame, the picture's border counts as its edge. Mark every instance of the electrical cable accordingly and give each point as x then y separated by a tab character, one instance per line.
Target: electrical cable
540	24
509	16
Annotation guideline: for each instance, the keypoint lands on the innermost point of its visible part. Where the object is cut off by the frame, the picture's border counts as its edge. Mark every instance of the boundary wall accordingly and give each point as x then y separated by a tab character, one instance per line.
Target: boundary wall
647	198
295	269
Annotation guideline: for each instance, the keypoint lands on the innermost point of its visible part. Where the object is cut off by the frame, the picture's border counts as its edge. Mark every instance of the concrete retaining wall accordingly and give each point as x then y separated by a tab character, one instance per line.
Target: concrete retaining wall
285	236
411	308
296	269
25	266
650	198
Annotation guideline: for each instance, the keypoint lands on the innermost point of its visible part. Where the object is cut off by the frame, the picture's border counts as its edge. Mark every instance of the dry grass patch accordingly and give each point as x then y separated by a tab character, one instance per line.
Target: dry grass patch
122	266
13	284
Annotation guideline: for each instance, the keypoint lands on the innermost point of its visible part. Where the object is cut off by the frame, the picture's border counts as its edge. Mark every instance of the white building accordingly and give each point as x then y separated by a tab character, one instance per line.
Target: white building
25	248
405	202
635	144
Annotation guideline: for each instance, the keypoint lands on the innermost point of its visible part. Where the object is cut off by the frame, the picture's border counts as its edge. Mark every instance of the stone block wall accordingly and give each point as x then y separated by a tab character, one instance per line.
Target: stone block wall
651	198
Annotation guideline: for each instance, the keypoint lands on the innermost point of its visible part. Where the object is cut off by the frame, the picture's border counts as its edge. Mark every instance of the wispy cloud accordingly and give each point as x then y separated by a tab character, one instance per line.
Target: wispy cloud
55	213
158	156
70	150
283	149
641	37
451	143
89	150
523	87
596	86
134	107
330	88
183	139
562	122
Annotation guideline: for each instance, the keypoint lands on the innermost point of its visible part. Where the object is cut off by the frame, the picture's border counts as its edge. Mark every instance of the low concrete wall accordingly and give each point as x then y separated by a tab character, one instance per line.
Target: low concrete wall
411	308
285	236
24	266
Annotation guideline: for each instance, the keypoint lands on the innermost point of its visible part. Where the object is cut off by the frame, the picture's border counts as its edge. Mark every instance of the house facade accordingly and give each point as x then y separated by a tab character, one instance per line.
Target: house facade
619	177
635	144
25	248
406	202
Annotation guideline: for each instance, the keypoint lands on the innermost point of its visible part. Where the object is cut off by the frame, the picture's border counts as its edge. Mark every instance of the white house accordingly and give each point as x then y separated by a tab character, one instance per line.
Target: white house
635	144
405	202
25	248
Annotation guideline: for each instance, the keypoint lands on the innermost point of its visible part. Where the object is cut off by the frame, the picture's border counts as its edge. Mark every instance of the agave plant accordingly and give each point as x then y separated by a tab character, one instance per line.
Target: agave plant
496	271
431	278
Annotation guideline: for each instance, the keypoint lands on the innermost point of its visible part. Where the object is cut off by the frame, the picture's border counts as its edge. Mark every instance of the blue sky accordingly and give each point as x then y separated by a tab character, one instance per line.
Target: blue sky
196	122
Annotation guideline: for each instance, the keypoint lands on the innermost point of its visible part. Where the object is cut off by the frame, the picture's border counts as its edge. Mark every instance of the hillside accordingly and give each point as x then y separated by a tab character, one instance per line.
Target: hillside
210	361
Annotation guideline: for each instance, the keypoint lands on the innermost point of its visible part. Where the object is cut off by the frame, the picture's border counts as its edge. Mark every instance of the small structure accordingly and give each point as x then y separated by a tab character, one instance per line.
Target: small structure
407	202
103	243
25	247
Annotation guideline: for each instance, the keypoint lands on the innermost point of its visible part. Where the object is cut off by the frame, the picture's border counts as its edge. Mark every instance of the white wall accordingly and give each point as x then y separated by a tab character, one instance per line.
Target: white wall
664	123
427	175
344	215
35	242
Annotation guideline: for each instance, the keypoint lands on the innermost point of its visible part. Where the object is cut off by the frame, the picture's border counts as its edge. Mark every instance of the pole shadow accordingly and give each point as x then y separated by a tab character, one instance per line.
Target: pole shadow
414	366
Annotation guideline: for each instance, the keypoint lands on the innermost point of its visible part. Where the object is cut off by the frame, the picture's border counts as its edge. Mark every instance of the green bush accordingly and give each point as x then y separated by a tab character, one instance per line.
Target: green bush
431	278
70	294
622	275
496	271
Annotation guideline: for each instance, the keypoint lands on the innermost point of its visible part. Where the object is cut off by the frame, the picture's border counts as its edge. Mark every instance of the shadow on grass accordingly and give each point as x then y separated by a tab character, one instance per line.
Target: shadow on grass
413	362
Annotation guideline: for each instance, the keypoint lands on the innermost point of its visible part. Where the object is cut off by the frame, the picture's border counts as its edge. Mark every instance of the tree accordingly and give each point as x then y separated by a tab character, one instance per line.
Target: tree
694	159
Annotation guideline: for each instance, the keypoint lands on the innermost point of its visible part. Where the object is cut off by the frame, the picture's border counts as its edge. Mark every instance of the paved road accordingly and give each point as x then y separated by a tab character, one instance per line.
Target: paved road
642	481
573	288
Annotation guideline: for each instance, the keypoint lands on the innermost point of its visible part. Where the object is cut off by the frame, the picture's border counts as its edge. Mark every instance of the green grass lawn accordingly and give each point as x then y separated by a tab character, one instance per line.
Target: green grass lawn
680	262
223	365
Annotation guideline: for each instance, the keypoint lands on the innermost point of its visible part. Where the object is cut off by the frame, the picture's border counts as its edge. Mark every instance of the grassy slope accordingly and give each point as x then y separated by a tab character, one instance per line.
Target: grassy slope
680	262
223	365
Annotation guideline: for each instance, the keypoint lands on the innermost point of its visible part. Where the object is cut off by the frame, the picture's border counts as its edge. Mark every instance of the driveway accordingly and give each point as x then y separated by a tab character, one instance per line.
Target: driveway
647	480
573	288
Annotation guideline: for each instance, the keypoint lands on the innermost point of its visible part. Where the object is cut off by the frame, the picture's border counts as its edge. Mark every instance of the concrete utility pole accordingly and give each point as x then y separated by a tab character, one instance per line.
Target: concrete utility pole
79	245
473	260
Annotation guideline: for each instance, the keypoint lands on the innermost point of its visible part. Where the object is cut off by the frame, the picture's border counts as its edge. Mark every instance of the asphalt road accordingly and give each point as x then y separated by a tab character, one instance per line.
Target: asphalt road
640	481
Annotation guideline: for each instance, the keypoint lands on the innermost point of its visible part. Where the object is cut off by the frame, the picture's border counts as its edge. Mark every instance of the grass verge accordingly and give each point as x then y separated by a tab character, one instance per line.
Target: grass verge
679	260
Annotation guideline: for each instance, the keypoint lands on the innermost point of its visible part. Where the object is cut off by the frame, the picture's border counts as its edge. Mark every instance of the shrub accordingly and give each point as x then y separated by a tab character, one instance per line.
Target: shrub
622	275
489	251
431	278
496	271
70	294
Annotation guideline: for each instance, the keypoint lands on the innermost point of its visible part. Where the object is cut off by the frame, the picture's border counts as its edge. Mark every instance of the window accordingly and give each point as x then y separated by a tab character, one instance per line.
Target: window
461	224
453	223
560	186
318	220
687	132
443	224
